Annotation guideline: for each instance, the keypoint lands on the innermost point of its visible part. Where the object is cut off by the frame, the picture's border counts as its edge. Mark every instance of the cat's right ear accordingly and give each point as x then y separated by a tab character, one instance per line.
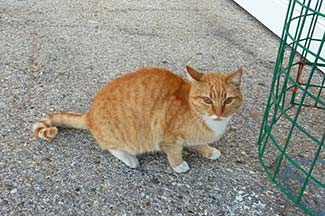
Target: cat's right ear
235	77
192	74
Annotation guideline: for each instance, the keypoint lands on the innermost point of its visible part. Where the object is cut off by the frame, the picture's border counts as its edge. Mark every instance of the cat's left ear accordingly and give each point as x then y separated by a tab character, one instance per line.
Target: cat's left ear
192	74
235	77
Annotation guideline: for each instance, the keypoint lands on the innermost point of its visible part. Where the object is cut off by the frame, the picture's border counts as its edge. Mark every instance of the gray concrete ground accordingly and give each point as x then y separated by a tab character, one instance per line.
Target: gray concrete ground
55	55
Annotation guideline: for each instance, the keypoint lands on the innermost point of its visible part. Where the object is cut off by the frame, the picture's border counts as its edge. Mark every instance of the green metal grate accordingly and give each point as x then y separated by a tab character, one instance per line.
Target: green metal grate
291	141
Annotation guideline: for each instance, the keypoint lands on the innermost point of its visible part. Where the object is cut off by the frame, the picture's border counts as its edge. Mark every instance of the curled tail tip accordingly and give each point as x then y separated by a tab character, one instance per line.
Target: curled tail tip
43	131
46	127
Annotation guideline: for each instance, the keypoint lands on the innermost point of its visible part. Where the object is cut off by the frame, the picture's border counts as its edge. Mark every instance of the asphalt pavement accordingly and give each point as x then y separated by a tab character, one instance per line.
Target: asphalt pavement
55	55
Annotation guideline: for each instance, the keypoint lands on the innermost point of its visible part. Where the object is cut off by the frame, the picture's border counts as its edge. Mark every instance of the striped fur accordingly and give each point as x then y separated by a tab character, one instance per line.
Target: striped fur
153	109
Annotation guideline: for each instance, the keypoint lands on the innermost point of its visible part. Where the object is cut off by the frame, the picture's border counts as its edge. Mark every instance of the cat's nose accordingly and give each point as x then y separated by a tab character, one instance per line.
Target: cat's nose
218	111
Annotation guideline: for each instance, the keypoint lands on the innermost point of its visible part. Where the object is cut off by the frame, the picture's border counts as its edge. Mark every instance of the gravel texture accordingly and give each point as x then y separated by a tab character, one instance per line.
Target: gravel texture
55	55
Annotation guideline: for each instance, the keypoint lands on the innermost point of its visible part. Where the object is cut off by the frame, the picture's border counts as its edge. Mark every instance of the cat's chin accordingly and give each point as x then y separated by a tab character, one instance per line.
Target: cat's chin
218	118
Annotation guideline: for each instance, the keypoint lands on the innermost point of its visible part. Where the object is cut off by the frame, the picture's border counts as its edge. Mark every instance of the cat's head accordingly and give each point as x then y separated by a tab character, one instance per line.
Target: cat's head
216	95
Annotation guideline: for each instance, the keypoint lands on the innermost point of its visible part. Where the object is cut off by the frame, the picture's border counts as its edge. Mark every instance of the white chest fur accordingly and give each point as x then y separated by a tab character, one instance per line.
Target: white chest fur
218	127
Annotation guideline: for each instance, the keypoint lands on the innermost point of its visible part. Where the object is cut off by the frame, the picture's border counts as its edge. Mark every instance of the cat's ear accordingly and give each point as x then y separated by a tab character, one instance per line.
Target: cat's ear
192	74
235	77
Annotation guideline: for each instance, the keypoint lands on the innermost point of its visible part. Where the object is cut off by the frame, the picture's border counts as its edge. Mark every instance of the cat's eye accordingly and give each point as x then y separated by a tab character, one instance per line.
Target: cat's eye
228	100
207	100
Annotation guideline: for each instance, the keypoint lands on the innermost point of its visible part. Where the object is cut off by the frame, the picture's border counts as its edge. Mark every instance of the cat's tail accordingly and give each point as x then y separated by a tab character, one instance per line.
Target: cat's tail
46	127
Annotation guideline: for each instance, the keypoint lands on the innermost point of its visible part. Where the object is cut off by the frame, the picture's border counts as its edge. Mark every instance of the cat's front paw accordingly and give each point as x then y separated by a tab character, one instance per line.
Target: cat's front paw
182	167
215	154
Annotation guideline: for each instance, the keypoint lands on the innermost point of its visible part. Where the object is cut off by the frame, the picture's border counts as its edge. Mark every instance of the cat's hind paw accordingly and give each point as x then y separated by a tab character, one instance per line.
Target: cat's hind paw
182	167
215	154
130	160
133	162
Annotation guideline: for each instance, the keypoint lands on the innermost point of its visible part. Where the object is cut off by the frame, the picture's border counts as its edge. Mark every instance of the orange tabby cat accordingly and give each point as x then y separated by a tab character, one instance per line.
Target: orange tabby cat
153	109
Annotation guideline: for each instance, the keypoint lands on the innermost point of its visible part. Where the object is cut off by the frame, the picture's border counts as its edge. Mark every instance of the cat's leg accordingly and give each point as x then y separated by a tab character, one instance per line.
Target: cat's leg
128	159
208	151
113	147
175	158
